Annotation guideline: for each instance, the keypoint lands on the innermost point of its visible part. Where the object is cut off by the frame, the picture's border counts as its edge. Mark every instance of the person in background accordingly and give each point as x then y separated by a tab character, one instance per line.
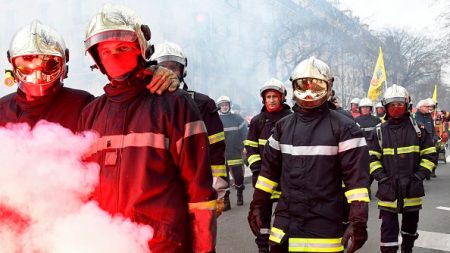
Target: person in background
235	128
171	56
379	111
402	155
354	107
152	150
311	152
273	95
424	118
366	121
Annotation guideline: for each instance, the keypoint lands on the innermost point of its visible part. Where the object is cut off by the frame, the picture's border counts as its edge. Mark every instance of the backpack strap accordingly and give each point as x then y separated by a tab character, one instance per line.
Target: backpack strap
416	127
379	135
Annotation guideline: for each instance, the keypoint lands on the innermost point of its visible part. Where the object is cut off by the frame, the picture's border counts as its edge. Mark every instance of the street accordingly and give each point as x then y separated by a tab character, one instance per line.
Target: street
234	235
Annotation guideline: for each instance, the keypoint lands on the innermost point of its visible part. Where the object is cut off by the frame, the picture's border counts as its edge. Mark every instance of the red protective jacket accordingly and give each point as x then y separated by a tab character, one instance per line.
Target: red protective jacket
153	156
63	107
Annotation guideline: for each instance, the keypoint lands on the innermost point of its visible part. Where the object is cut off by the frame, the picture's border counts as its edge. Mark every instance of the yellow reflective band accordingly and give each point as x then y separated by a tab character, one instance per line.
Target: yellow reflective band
262	142
388	151
219	170
375	153
265	184
427	151
234	162
358	194
251	143
427	164
343	185
407	150
315	245
275	195
208	205
253	158
276	234
412	202
374	166
388	204
216	137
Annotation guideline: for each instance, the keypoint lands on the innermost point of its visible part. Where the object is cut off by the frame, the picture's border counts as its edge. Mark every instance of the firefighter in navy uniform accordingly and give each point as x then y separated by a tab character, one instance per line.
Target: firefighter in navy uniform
310	153
273	95
171	56
402	155
366	121
380	112
152	150
235	128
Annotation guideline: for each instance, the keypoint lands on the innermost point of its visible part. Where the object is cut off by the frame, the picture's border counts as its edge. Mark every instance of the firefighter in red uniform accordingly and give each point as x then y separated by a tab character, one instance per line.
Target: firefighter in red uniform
273	95
152	150
171	56
310	153
402	156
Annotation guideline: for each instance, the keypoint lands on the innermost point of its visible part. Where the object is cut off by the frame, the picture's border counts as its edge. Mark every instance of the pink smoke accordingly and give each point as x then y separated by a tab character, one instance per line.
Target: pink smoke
44	190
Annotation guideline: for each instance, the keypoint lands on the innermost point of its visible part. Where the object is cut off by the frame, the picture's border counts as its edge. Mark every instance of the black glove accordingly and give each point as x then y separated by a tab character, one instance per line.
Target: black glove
255	178
254	218
358	226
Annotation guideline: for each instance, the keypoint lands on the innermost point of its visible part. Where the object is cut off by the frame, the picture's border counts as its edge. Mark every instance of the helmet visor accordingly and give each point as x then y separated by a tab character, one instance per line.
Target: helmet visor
310	88
111	35
38	69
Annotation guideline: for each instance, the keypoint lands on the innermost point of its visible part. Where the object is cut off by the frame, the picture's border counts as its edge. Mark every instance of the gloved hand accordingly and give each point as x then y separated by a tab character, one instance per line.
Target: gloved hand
163	79
204	230
357	230
254	218
220	204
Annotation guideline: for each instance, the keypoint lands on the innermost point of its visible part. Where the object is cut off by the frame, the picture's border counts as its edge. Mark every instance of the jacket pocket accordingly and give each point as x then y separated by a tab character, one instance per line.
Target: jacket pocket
415	188
386	190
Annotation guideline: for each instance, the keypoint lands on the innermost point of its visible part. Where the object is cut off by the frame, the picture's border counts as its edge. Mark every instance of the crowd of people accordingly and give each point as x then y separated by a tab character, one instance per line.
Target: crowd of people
166	152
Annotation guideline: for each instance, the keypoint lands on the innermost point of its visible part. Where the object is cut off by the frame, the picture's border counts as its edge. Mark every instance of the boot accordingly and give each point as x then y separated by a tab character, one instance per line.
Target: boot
433	174
240	197
226	202
385	249
408	242
263	249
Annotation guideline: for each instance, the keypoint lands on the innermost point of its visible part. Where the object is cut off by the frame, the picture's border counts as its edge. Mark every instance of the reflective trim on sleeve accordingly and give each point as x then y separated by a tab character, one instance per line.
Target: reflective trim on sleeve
388	151
357	194
389	244
234	162
351	144
275	195
219	170
251	143
262	142
309	150
427	151
243	124
429	165
154	140
264	231
375	153
407	150
229	129
190	129
216	137
276	234
412	202
315	245
266	184
207	205
390	204
254	158
374	166
274	143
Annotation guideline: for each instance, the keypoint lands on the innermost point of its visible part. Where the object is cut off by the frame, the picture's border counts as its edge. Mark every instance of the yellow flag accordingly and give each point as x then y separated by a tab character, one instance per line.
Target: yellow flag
435	94
378	78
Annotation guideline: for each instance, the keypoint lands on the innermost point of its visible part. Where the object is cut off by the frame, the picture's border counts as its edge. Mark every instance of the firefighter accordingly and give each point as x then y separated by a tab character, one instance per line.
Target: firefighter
235	128
273	95
311	152
402	155
366	121
171	56
354	107
379	110
152	150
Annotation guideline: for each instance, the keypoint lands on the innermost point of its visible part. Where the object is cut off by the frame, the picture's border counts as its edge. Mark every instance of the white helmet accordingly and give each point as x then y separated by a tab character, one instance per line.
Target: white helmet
116	22
379	105
312	82
169	51
395	93
273	84
355	101
365	102
223	99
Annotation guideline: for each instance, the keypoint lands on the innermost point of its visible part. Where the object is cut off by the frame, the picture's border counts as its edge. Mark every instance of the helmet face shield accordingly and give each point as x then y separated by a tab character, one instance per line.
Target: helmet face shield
310	92
113	35
38	69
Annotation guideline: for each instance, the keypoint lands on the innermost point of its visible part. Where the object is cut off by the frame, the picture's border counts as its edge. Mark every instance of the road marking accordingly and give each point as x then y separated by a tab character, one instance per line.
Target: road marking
443	208
433	240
